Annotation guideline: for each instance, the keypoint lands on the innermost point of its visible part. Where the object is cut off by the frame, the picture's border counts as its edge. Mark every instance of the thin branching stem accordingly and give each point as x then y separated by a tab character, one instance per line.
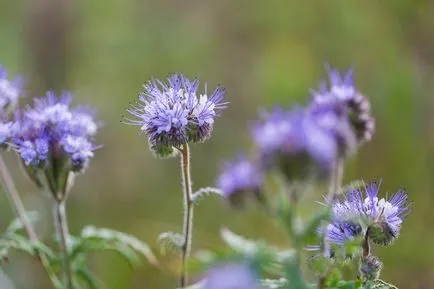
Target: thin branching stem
188	213
20	212
335	184
62	232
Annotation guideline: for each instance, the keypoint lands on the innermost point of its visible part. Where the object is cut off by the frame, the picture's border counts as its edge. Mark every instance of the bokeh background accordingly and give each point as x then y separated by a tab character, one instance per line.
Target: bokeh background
265	53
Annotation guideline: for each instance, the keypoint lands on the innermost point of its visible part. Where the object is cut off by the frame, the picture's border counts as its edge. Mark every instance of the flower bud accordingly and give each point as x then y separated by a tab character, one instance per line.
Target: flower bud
370	268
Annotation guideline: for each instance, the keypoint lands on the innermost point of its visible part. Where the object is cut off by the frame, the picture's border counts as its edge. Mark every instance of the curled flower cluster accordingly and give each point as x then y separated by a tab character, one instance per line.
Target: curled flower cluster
361	211
340	90
308	141
10	90
51	134
174	113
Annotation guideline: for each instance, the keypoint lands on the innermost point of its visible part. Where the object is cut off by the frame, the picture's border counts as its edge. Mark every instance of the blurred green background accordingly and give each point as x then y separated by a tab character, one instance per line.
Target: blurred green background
264	53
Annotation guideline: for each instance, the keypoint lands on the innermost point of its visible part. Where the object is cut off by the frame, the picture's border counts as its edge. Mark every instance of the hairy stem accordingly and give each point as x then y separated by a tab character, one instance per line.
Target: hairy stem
20	212
62	232
188	213
335	180
334	185
365	245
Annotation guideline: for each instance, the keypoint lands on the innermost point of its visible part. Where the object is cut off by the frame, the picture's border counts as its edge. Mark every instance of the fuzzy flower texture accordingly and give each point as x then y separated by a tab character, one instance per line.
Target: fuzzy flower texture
361	211
10	90
174	113
51	134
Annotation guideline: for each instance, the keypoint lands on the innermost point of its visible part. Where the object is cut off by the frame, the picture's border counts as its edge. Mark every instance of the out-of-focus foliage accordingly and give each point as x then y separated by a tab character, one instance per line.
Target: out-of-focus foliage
264	52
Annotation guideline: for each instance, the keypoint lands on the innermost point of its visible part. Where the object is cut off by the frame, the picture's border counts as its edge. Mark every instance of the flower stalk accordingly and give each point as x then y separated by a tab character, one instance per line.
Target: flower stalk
20	212
62	233
188	213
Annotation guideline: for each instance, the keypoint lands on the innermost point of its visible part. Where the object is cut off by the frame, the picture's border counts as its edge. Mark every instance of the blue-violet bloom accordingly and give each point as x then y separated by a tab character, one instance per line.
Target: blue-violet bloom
240	179
380	218
10	91
301	141
175	113
341	89
231	276
51	134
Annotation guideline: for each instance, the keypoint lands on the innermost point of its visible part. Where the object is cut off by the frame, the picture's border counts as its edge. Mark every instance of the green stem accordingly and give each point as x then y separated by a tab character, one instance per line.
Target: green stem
62	232
188	213
20	212
334	185
365	245
335	180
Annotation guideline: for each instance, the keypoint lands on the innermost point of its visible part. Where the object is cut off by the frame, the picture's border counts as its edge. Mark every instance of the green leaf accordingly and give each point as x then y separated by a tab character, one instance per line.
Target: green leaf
294	276
274	283
204	192
17	242
241	244
87	277
170	241
263	256
17	225
106	239
380	284
309	234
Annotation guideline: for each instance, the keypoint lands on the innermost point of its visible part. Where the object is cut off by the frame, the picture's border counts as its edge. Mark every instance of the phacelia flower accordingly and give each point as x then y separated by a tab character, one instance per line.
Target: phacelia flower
299	142
341	89
53	138
7	131
231	276
381	218
174	113
10	91
370	268
239	179
340	232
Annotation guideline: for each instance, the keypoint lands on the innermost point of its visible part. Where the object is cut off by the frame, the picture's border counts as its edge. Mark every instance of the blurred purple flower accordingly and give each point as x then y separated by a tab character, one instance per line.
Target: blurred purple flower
174	113
239	179
301	140
50	130
230	276
341	89
10	91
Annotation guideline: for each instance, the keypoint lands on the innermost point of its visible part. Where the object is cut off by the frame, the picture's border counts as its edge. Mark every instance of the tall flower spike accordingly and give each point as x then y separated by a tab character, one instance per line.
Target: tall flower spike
10	91
380	218
304	141
340	89
239	179
54	139
174	113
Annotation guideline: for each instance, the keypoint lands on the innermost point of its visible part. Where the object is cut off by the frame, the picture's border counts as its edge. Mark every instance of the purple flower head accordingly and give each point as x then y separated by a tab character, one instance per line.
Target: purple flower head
231	276
381	218
10	91
7	132
329	134
174	113
340	89
239	178
49	131
299	142
339	232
